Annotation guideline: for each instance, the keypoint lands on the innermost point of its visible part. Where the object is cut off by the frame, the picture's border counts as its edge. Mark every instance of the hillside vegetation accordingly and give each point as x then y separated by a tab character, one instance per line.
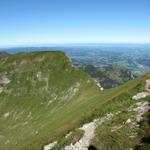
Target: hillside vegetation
43	97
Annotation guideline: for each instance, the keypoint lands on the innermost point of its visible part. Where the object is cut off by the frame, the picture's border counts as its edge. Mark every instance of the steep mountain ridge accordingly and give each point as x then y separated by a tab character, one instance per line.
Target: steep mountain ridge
43	97
34	88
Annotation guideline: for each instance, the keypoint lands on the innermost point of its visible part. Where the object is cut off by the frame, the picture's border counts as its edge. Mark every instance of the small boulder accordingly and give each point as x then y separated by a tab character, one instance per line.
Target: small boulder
128	121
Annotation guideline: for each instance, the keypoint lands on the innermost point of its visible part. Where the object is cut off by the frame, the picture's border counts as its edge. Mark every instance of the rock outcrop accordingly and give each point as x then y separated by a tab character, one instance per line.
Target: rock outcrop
140	95
148	85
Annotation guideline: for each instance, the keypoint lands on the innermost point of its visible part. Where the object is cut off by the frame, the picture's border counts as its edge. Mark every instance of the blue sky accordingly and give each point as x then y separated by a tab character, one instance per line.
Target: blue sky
74	21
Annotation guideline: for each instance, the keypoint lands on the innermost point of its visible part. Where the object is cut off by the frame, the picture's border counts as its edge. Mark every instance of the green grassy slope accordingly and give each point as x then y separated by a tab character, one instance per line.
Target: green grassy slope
43	96
36	101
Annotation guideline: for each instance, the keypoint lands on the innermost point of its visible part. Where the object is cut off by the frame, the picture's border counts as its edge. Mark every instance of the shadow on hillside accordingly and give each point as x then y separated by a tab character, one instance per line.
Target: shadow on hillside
91	147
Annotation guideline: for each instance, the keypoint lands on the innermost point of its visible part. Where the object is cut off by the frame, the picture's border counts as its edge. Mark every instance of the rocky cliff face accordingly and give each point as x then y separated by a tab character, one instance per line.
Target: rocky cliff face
108	77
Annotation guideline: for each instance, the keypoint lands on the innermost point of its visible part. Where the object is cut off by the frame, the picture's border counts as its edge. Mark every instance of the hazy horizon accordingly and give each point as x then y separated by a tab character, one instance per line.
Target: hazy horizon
75	44
33	22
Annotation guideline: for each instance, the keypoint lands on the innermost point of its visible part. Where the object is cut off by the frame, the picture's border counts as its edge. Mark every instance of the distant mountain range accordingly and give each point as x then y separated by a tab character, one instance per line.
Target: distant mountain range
135	57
